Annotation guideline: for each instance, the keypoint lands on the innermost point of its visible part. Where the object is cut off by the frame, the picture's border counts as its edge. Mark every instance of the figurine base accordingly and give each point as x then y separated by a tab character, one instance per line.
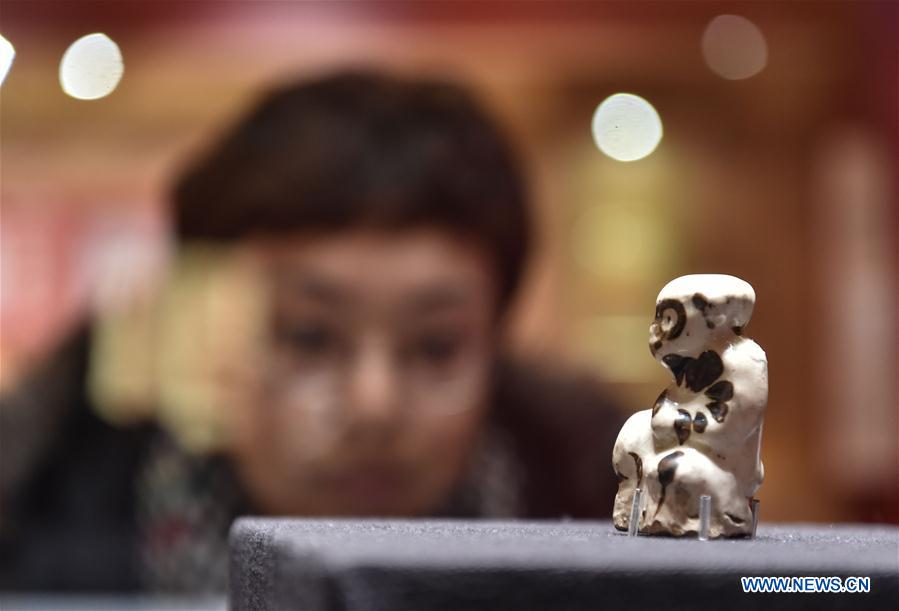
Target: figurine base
441	565
687	534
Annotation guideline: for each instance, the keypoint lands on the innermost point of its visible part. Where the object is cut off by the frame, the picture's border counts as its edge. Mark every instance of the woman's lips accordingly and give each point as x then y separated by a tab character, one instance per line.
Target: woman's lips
368	487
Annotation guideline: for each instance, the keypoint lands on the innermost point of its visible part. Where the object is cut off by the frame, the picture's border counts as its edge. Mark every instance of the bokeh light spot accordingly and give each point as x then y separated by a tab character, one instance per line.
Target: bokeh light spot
91	67
626	127
7	55
734	47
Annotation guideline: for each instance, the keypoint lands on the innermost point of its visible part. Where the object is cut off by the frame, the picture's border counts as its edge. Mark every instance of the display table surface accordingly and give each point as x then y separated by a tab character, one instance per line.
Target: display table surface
312	565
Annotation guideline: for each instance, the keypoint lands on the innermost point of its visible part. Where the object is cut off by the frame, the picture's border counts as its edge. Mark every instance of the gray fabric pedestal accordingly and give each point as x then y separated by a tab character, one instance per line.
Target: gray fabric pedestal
392	565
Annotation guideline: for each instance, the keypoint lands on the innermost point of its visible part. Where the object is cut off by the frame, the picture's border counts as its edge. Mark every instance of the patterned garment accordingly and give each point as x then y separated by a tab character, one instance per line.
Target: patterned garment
186	504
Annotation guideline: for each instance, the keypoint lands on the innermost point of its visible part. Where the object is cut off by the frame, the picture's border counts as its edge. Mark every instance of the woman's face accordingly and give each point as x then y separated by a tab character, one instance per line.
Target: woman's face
377	374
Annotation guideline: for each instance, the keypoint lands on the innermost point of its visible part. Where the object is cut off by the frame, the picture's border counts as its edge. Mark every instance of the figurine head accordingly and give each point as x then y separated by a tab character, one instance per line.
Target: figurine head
694	310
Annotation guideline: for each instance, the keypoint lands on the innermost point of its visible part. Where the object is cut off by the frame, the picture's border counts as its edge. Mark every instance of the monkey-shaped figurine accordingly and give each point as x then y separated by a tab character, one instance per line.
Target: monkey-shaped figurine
703	435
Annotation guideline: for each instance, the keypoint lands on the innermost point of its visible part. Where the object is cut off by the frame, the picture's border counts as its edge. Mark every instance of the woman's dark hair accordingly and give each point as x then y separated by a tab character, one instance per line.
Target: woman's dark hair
356	150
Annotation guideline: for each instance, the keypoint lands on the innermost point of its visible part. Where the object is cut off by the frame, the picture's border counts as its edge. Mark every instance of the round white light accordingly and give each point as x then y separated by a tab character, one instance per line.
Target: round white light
91	67
734	47
7	54
626	127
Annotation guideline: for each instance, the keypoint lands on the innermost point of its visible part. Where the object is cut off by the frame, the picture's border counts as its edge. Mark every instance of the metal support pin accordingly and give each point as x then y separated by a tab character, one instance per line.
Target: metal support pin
754	507
705	513
633	526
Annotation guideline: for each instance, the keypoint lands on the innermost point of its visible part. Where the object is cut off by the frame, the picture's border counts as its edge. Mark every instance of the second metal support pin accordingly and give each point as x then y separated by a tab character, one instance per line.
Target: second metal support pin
705	513
633	526
754	507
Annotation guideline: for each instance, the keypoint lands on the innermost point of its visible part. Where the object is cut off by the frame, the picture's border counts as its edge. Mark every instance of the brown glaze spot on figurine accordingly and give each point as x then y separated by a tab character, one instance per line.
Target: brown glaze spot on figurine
678	365
701	303
666	471
718	411
703	371
721	391
638	463
700	422
682	425
659	402
697	372
680	321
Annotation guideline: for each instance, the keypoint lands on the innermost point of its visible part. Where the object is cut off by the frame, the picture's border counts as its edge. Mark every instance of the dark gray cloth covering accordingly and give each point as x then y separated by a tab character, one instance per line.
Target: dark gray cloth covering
313	565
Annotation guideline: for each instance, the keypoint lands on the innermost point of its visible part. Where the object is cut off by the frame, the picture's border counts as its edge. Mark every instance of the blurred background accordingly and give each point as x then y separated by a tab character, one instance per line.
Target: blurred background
778	164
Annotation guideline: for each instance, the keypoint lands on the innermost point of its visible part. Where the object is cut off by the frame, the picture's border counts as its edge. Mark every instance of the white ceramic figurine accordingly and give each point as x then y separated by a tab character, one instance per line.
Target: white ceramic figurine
703	435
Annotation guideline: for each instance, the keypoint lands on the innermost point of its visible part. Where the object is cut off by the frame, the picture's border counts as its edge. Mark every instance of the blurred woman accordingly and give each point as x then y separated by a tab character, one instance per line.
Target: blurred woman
328	345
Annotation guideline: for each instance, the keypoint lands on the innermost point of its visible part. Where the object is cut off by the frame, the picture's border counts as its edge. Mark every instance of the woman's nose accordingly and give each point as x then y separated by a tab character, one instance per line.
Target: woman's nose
374	393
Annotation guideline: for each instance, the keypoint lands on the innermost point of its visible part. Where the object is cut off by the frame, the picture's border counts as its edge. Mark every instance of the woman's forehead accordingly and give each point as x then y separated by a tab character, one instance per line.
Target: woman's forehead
422	269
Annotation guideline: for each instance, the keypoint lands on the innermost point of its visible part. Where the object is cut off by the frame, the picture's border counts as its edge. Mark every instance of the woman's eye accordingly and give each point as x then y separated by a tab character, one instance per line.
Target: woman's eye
437	349
311	339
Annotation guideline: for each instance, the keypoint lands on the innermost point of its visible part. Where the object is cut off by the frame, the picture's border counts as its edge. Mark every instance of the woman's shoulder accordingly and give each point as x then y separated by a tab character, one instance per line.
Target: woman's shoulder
562	423
66	472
